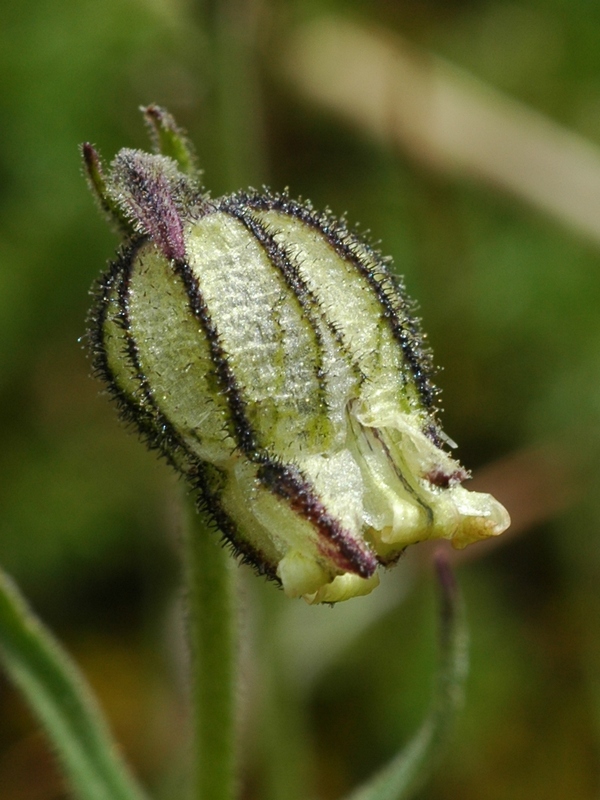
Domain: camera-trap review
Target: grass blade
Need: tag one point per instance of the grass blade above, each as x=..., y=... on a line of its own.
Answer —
x=59, y=696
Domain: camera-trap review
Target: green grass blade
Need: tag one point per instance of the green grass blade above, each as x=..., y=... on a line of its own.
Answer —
x=63, y=703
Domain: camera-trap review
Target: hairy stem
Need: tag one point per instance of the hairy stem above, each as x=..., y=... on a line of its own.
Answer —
x=212, y=636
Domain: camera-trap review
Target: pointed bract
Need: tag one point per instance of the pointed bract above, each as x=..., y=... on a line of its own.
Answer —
x=169, y=140
x=97, y=183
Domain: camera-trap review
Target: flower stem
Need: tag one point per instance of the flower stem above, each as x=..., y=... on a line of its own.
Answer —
x=212, y=636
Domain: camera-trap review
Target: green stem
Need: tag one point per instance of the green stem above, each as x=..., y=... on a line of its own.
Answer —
x=212, y=633
x=411, y=768
x=61, y=699
x=235, y=136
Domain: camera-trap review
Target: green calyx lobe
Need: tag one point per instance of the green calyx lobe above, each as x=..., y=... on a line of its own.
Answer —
x=268, y=354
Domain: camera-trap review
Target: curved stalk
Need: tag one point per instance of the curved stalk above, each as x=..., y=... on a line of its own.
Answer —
x=410, y=769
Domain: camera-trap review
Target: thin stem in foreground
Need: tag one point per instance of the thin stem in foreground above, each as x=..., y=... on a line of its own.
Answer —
x=212, y=633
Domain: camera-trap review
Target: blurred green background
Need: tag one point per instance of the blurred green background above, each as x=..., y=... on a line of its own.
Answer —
x=505, y=265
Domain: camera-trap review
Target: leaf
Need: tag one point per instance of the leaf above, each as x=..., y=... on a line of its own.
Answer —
x=59, y=696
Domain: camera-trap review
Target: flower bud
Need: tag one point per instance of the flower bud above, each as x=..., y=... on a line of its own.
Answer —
x=269, y=354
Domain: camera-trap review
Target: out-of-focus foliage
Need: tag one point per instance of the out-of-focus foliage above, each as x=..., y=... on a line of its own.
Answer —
x=509, y=297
